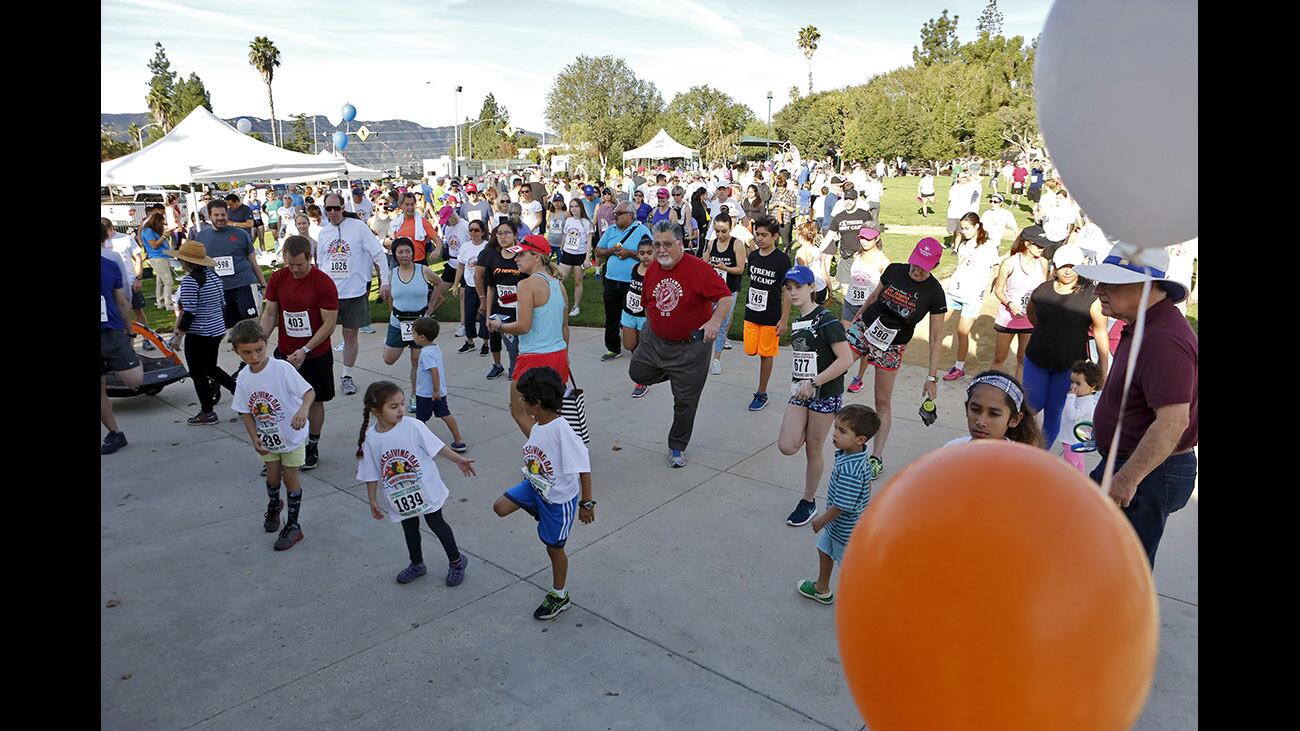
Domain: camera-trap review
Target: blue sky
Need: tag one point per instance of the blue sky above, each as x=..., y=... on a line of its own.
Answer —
x=378, y=54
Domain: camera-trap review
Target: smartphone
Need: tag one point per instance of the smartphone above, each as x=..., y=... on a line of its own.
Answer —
x=697, y=336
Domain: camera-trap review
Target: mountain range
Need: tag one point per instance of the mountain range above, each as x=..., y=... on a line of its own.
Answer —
x=393, y=142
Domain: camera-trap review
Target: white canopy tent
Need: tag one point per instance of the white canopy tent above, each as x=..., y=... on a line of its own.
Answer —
x=660, y=147
x=351, y=171
x=204, y=149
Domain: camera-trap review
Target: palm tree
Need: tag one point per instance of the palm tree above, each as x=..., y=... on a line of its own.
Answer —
x=808, y=37
x=264, y=56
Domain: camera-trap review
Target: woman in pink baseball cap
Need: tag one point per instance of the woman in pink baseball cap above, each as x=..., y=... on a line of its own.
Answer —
x=881, y=330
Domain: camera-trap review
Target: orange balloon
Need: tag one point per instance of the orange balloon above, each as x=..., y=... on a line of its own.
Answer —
x=991, y=586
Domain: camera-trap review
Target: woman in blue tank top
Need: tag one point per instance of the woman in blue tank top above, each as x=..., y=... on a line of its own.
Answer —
x=541, y=320
x=412, y=285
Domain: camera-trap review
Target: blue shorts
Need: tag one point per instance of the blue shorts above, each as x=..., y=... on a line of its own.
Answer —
x=553, y=521
x=634, y=322
x=828, y=405
x=964, y=306
x=830, y=546
x=394, y=339
x=426, y=407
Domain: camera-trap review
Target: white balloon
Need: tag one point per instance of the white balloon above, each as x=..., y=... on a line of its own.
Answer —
x=243, y=125
x=1116, y=83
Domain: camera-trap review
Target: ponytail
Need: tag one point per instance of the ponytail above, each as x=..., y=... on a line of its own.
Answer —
x=365, y=424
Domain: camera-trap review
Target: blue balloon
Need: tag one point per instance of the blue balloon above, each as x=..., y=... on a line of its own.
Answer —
x=340, y=140
x=349, y=112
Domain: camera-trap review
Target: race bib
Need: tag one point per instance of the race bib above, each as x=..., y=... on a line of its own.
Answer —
x=757, y=299
x=297, y=324
x=476, y=215
x=225, y=265
x=103, y=309
x=408, y=332
x=804, y=366
x=270, y=438
x=604, y=225
x=634, y=302
x=338, y=266
x=407, y=500
x=879, y=336
x=573, y=242
x=1024, y=301
x=540, y=484
x=721, y=274
x=855, y=295
x=508, y=294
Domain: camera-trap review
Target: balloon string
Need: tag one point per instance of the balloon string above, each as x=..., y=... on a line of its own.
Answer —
x=1138, y=330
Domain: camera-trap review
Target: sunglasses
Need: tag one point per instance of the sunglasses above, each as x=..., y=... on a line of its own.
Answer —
x=333, y=208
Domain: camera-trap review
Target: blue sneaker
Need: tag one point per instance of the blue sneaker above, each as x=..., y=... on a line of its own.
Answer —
x=411, y=573
x=496, y=371
x=456, y=571
x=803, y=512
x=367, y=329
x=676, y=458
x=410, y=406
x=760, y=400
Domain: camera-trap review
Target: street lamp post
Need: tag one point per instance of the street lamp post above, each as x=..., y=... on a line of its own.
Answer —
x=769, y=126
x=455, y=106
x=140, y=132
x=470, y=134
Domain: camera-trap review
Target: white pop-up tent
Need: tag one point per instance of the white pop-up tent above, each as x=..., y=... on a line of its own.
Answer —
x=351, y=171
x=661, y=147
x=204, y=149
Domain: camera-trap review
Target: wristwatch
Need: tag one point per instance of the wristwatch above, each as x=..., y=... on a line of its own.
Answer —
x=587, y=504
x=932, y=379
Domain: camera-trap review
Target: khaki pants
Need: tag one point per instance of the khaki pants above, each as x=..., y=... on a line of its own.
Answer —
x=162, y=291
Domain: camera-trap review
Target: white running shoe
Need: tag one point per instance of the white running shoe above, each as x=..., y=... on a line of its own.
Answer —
x=574, y=312
x=716, y=368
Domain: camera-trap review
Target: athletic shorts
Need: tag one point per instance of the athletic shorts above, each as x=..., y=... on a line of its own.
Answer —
x=830, y=546
x=952, y=225
x=426, y=407
x=394, y=338
x=137, y=300
x=318, y=372
x=448, y=273
x=1035, y=194
x=571, y=260
x=115, y=352
x=969, y=308
x=886, y=360
x=241, y=304
x=760, y=340
x=1012, y=330
x=636, y=322
x=354, y=312
x=559, y=360
x=1017, y=187
x=553, y=521
x=293, y=458
x=828, y=405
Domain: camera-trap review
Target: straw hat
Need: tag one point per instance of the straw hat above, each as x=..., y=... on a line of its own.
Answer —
x=193, y=252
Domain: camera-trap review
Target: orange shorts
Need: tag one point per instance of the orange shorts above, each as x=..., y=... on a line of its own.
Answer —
x=760, y=340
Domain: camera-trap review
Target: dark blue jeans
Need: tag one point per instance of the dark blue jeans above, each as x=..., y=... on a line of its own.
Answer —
x=1166, y=490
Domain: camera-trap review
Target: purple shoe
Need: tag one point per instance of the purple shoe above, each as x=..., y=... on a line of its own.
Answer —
x=411, y=573
x=456, y=571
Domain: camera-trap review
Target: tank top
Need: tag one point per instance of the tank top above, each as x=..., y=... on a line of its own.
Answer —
x=1020, y=285
x=728, y=258
x=656, y=216
x=1063, y=319
x=547, y=333
x=555, y=229
x=410, y=297
x=632, y=302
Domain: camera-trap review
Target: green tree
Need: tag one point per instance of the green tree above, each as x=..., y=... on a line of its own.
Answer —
x=188, y=95
x=600, y=101
x=487, y=139
x=807, y=42
x=938, y=41
x=794, y=93
x=299, y=135
x=990, y=21
x=162, y=81
x=110, y=148
x=706, y=119
x=264, y=56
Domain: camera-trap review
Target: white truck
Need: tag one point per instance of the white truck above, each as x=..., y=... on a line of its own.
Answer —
x=127, y=211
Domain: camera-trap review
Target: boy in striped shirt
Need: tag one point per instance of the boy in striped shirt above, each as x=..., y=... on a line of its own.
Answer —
x=846, y=497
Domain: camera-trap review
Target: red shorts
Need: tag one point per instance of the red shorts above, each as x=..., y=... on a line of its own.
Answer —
x=559, y=360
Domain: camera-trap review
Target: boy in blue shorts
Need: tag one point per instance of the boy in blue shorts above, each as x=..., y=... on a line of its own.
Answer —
x=846, y=497
x=430, y=386
x=633, y=319
x=556, y=469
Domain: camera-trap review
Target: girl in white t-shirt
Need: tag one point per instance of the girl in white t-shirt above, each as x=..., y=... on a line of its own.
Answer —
x=575, y=246
x=398, y=454
x=977, y=260
x=996, y=408
x=1085, y=385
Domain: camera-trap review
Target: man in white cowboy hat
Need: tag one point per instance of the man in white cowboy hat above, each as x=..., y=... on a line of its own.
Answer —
x=1155, y=465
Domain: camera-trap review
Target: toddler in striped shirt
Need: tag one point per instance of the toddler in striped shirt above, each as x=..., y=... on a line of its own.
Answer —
x=846, y=497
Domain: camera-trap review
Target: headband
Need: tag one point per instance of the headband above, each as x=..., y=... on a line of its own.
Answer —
x=1002, y=383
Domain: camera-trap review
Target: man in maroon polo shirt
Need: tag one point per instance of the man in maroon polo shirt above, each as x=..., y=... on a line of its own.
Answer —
x=303, y=302
x=1155, y=465
x=679, y=295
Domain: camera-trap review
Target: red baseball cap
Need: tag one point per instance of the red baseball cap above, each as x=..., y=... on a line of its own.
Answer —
x=471, y=188
x=533, y=243
x=926, y=254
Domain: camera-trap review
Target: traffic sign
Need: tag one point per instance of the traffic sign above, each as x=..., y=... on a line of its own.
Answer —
x=363, y=133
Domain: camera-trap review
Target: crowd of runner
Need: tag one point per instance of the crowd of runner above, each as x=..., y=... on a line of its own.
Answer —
x=672, y=252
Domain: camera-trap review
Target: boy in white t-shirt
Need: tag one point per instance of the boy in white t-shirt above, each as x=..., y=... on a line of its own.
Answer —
x=556, y=469
x=273, y=399
x=430, y=381
x=997, y=221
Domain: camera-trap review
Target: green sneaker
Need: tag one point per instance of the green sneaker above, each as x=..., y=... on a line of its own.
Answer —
x=808, y=589
x=552, y=605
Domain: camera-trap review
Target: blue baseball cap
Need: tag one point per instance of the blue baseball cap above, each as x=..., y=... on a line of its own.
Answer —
x=800, y=275
x=588, y=190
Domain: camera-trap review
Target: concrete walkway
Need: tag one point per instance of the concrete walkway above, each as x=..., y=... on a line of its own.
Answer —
x=684, y=616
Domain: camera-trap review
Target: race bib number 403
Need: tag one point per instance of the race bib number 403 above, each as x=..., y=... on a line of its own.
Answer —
x=297, y=324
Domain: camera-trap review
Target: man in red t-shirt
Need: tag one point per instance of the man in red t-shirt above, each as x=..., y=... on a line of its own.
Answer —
x=685, y=303
x=304, y=303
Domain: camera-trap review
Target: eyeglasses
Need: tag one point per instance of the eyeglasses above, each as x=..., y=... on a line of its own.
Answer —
x=669, y=245
x=333, y=208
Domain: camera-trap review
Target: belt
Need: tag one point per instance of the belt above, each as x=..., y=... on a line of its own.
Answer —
x=1123, y=456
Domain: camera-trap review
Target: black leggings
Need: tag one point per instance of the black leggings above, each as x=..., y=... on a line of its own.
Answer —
x=201, y=360
x=411, y=527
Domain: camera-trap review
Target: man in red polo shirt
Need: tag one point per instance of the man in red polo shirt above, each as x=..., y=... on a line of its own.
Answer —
x=685, y=303
x=1155, y=465
x=304, y=303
